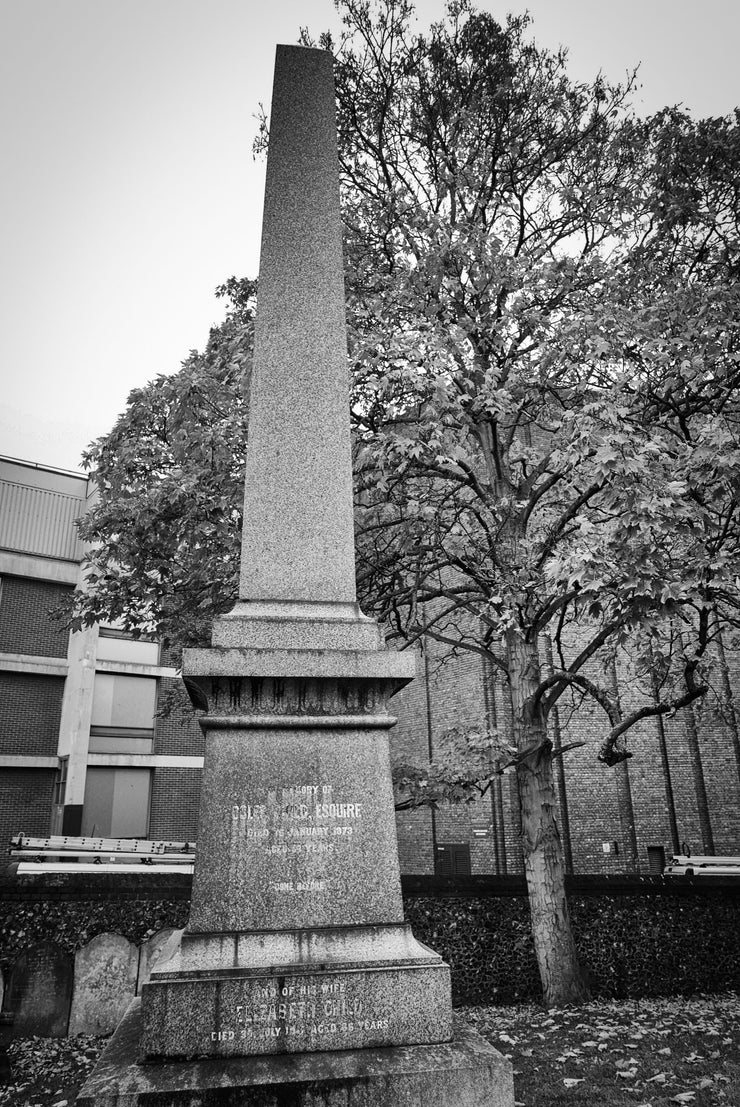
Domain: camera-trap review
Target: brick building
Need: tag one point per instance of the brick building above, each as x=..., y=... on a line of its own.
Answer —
x=680, y=792
x=84, y=747
x=98, y=738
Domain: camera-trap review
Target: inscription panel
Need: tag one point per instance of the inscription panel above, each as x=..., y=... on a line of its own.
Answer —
x=296, y=825
x=307, y=1011
x=302, y=1013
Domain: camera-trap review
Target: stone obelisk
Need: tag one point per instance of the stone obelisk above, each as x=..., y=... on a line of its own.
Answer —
x=297, y=979
x=296, y=939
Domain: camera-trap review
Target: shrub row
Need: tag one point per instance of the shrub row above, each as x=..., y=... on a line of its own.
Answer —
x=651, y=943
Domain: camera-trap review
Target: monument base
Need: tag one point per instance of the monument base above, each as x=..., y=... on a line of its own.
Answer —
x=220, y=995
x=466, y=1072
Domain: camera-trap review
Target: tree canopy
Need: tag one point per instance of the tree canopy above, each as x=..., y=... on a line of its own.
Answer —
x=544, y=313
x=163, y=535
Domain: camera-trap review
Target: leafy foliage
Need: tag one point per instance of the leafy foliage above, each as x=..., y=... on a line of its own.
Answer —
x=545, y=337
x=544, y=314
x=164, y=531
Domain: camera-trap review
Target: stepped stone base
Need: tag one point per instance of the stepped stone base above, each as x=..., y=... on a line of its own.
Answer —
x=466, y=1072
x=253, y=1013
x=225, y=995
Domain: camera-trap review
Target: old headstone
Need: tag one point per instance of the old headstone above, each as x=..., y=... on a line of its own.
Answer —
x=39, y=992
x=151, y=951
x=104, y=984
x=296, y=959
x=5, y=1069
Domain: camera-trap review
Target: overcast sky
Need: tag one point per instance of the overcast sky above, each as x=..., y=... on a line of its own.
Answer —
x=128, y=189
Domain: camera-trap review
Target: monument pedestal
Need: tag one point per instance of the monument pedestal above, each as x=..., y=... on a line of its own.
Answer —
x=220, y=1007
x=465, y=1072
x=296, y=940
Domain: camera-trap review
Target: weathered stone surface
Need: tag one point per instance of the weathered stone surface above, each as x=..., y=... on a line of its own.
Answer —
x=271, y=701
x=360, y=1006
x=104, y=984
x=465, y=1072
x=298, y=534
x=283, y=950
x=150, y=953
x=295, y=826
x=320, y=664
x=297, y=627
x=39, y=992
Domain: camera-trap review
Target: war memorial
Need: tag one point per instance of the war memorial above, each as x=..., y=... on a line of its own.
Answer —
x=296, y=981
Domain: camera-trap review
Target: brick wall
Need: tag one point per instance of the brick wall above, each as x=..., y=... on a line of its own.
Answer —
x=30, y=710
x=174, y=804
x=26, y=802
x=465, y=692
x=415, y=840
x=26, y=625
x=176, y=728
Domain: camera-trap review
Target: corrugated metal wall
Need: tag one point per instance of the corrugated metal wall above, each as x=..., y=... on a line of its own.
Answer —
x=37, y=521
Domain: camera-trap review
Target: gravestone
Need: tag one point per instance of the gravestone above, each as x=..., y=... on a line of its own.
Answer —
x=104, y=984
x=151, y=951
x=297, y=980
x=39, y=992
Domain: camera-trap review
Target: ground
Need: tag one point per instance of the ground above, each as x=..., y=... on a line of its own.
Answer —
x=641, y=1053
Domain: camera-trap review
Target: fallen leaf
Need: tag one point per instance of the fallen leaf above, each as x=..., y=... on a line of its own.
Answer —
x=571, y=1081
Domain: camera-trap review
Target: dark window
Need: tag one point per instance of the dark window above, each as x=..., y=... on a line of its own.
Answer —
x=60, y=784
x=656, y=858
x=453, y=859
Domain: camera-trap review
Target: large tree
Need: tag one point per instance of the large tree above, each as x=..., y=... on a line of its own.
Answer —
x=543, y=329
x=545, y=341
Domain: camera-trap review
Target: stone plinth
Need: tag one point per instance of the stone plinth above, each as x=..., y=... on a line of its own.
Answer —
x=296, y=940
x=465, y=1072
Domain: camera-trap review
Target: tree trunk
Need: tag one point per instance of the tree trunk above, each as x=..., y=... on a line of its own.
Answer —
x=728, y=699
x=559, y=768
x=700, y=788
x=624, y=793
x=563, y=980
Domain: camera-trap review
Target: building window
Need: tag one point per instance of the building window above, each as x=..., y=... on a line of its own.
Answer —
x=116, y=645
x=116, y=803
x=122, y=713
x=453, y=860
x=656, y=858
x=60, y=784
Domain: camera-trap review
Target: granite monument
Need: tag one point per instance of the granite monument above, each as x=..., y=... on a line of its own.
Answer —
x=296, y=980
